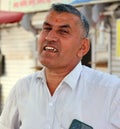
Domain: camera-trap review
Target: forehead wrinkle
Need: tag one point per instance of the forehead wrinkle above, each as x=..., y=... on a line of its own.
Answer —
x=77, y=21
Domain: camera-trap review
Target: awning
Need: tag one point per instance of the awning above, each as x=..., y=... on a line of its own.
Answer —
x=10, y=17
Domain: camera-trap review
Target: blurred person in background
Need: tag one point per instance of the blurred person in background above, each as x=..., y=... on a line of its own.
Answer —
x=64, y=91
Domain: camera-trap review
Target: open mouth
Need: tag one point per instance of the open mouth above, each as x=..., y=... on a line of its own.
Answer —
x=50, y=49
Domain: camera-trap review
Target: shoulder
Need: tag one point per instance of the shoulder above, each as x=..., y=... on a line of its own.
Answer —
x=99, y=78
x=24, y=84
x=29, y=78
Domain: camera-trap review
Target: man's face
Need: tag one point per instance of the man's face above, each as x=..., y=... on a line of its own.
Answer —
x=60, y=40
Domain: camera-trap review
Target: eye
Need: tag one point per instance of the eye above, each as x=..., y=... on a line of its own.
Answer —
x=63, y=31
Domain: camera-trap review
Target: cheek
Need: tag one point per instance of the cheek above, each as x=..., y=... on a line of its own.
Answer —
x=70, y=50
x=77, y=50
x=40, y=41
x=41, y=37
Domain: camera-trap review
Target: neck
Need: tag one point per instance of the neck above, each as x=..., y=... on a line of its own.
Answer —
x=54, y=79
x=54, y=76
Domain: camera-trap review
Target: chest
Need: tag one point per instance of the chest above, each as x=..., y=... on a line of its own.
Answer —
x=40, y=110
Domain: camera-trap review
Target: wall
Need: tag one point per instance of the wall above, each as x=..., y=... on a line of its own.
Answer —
x=115, y=61
x=18, y=46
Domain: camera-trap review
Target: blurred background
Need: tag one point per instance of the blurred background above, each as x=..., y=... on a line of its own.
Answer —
x=20, y=25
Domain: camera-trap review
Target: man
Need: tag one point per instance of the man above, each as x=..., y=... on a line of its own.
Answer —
x=64, y=90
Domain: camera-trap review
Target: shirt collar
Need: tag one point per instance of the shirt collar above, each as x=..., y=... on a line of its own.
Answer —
x=41, y=74
x=70, y=79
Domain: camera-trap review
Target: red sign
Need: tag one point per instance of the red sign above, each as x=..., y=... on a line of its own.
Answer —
x=32, y=5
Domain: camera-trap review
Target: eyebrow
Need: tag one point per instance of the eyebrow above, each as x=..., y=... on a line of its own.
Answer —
x=61, y=26
x=46, y=23
x=65, y=26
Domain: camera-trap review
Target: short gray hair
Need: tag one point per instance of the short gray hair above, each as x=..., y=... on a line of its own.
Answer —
x=71, y=9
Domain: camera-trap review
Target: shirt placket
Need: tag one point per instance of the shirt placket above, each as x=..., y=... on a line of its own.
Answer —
x=51, y=111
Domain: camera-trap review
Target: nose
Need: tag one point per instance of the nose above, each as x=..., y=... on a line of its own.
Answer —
x=51, y=36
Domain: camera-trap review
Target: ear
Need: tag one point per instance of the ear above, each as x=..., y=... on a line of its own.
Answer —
x=85, y=46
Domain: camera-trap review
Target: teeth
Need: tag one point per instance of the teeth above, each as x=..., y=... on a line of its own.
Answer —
x=51, y=49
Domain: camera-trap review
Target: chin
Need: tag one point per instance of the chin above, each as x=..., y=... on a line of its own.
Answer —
x=45, y=63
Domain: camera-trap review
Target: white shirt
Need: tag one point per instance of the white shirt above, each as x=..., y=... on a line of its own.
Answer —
x=85, y=94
